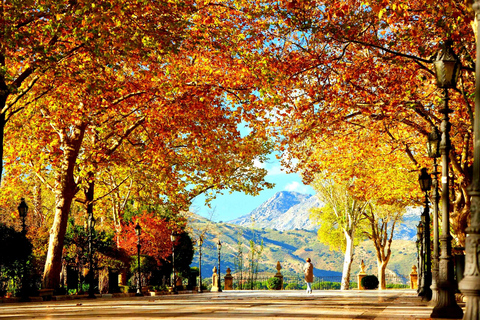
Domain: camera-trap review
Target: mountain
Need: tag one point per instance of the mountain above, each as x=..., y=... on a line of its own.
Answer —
x=282, y=224
x=286, y=210
x=290, y=248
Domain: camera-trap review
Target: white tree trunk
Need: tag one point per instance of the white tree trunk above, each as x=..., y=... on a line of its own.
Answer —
x=347, y=262
x=381, y=267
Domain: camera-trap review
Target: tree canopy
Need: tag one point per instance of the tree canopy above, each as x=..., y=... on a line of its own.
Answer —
x=144, y=100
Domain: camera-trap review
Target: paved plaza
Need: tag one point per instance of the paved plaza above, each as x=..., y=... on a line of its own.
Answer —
x=331, y=304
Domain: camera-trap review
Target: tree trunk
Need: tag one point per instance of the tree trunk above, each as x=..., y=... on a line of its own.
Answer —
x=2, y=133
x=382, y=266
x=347, y=262
x=65, y=190
x=53, y=263
x=38, y=218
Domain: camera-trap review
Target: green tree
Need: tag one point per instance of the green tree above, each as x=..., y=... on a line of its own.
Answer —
x=238, y=260
x=341, y=220
x=254, y=255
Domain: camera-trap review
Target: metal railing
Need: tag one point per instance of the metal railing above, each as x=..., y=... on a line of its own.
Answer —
x=293, y=282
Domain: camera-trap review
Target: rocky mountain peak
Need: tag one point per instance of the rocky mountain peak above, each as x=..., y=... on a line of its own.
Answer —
x=277, y=213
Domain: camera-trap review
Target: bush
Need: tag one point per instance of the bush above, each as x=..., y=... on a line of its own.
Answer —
x=370, y=282
x=274, y=283
x=293, y=286
x=397, y=286
x=326, y=285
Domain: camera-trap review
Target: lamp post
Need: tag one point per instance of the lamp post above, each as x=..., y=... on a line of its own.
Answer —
x=219, y=247
x=433, y=148
x=22, y=211
x=420, y=255
x=91, y=274
x=200, y=243
x=447, y=68
x=173, y=237
x=138, y=231
x=426, y=184
x=470, y=284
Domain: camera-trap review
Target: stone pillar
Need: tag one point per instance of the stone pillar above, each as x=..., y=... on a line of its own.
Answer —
x=122, y=277
x=228, y=280
x=414, y=278
x=214, y=280
x=361, y=275
x=279, y=274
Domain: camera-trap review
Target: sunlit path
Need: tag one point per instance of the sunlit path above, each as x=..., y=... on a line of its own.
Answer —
x=332, y=304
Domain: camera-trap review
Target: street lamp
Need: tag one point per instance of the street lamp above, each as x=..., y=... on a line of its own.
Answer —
x=22, y=211
x=138, y=231
x=447, y=68
x=173, y=237
x=433, y=148
x=470, y=284
x=425, y=292
x=200, y=243
x=91, y=274
x=219, y=247
x=420, y=255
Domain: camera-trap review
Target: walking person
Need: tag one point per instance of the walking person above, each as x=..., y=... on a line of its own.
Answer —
x=308, y=270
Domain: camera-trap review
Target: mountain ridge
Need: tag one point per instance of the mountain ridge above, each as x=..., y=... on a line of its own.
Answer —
x=290, y=210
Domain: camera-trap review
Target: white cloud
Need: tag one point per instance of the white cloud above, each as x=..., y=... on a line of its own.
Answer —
x=296, y=186
x=258, y=164
x=275, y=170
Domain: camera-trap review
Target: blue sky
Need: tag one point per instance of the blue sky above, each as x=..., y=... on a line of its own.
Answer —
x=230, y=206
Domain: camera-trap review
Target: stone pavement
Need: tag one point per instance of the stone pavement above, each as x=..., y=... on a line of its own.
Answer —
x=331, y=304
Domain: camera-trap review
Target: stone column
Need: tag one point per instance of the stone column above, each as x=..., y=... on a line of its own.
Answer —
x=214, y=280
x=228, y=280
x=470, y=284
x=414, y=278
x=279, y=274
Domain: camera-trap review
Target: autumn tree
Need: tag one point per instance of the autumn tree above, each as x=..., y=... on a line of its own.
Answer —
x=362, y=168
x=382, y=220
x=183, y=97
x=355, y=61
x=340, y=220
x=155, y=237
x=38, y=38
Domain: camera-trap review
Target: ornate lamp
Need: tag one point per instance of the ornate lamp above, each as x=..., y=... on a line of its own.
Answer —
x=433, y=150
x=447, y=69
x=200, y=243
x=91, y=273
x=425, y=181
x=173, y=237
x=433, y=143
x=138, y=231
x=219, y=247
x=22, y=211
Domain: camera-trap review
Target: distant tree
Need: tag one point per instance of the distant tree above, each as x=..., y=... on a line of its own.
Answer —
x=183, y=253
x=238, y=259
x=382, y=220
x=340, y=220
x=255, y=253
